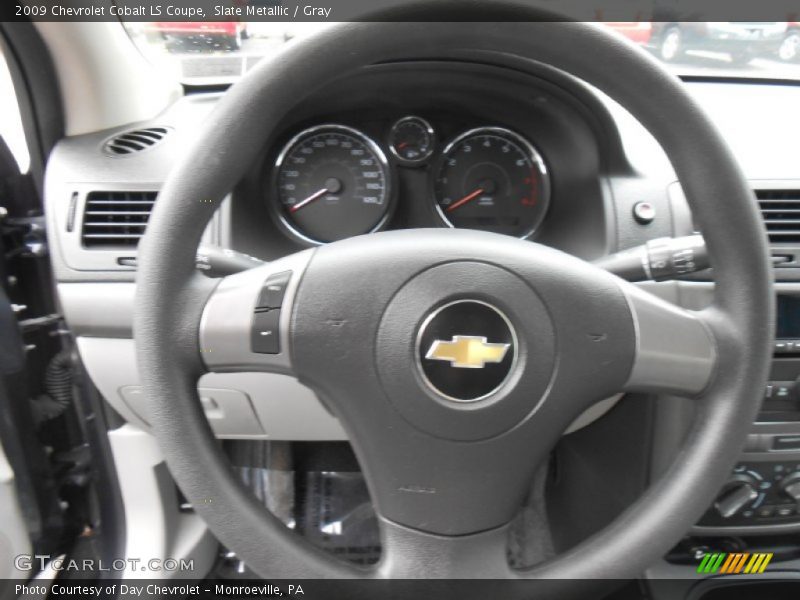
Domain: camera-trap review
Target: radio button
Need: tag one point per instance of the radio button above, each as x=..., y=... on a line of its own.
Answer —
x=779, y=390
x=765, y=512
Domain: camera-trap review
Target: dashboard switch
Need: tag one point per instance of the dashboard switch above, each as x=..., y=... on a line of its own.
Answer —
x=273, y=291
x=644, y=213
x=265, y=336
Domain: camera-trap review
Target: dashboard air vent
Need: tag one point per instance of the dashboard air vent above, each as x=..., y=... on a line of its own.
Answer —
x=781, y=212
x=135, y=140
x=116, y=219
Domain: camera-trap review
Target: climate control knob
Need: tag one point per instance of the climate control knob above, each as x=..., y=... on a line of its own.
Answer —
x=740, y=491
x=791, y=486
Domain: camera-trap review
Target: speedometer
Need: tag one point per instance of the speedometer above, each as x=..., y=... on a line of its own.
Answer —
x=492, y=179
x=333, y=182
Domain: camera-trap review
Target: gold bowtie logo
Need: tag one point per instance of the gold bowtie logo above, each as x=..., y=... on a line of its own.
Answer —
x=467, y=351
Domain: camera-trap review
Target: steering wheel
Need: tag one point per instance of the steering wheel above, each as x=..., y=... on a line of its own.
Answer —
x=454, y=359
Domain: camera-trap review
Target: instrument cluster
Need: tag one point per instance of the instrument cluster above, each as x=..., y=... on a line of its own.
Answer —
x=333, y=181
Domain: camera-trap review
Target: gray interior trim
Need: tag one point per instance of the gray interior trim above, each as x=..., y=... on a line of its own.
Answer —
x=284, y=408
x=69, y=240
x=227, y=320
x=675, y=351
x=98, y=309
x=82, y=60
x=14, y=539
x=155, y=526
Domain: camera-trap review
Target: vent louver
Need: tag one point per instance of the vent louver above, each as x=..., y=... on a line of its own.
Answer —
x=781, y=212
x=116, y=219
x=136, y=140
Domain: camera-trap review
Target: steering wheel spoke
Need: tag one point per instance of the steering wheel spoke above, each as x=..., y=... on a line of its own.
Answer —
x=413, y=554
x=246, y=321
x=676, y=349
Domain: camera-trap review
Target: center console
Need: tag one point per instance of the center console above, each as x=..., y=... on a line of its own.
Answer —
x=762, y=494
x=758, y=509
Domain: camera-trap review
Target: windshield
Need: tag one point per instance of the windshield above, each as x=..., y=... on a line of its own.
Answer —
x=205, y=53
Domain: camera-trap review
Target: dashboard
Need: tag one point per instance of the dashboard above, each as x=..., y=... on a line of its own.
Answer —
x=514, y=148
x=492, y=143
x=409, y=146
x=333, y=181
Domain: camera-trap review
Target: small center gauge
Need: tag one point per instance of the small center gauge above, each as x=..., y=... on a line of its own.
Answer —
x=412, y=140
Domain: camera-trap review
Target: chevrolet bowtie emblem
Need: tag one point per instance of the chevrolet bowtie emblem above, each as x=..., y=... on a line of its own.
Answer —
x=467, y=351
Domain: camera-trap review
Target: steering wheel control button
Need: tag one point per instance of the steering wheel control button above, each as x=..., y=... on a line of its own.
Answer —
x=274, y=290
x=265, y=336
x=466, y=350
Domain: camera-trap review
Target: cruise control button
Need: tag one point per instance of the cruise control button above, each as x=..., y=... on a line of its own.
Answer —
x=265, y=337
x=273, y=291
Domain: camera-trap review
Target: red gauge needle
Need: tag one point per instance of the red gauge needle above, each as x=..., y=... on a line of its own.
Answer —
x=465, y=199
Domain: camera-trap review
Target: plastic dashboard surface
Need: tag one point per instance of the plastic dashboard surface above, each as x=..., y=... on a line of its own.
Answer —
x=600, y=163
x=453, y=98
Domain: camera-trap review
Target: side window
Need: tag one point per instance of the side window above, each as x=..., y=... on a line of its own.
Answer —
x=10, y=119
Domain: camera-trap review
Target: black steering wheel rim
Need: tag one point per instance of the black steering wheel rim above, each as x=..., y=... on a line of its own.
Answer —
x=171, y=296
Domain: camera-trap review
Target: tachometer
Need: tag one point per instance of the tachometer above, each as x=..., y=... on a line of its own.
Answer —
x=333, y=182
x=492, y=179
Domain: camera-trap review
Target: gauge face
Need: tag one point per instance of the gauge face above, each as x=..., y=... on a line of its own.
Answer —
x=333, y=182
x=412, y=139
x=492, y=179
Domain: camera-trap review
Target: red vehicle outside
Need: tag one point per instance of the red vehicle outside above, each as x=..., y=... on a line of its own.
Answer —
x=640, y=32
x=227, y=35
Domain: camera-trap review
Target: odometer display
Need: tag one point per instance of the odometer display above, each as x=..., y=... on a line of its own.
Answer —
x=494, y=180
x=333, y=183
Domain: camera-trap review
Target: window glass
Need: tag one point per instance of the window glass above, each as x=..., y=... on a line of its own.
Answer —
x=10, y=119
x=212, y=53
